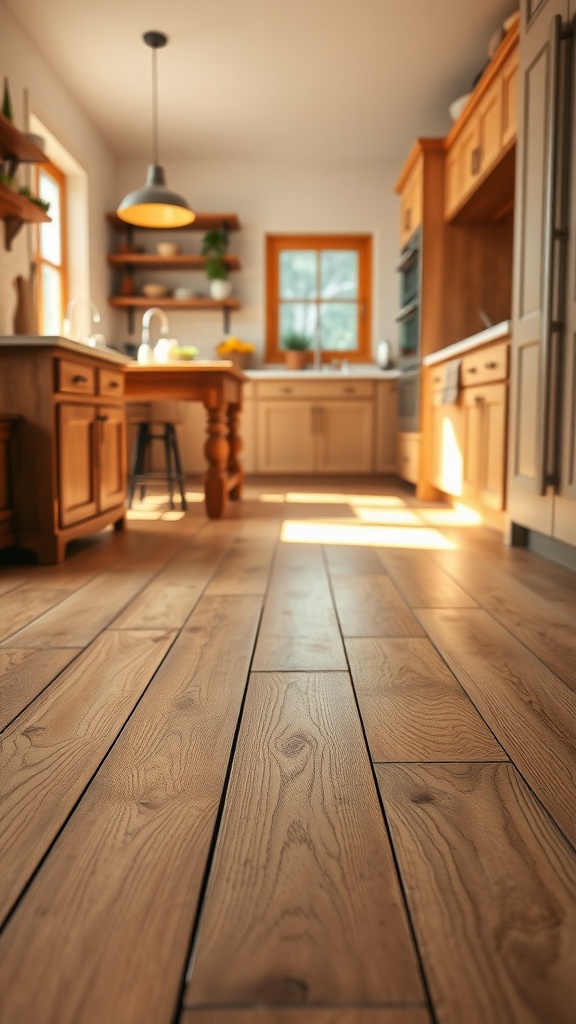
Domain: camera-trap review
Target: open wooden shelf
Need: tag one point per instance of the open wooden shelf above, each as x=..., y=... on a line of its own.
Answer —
x=141, y=302
x=152, y=261
x=15, y=209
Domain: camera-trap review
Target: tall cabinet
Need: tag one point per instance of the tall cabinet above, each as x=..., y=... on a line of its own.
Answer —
x=542, y=454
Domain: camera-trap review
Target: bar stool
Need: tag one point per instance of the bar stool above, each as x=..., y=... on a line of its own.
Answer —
x=140, y=472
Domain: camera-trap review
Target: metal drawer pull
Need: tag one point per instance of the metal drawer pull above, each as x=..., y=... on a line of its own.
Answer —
x=490, y=366
x=349, y=390
x=79, y=379
x=472, y=369
x=114, y=384
x=286, y=391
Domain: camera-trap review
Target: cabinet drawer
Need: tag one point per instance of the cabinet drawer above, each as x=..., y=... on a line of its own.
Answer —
x=110, y=383
x=318, y=389
x=486, y=365
x=75, y=378
x=437, y=377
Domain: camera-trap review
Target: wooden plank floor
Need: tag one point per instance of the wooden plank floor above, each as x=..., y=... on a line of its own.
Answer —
x=314, y=763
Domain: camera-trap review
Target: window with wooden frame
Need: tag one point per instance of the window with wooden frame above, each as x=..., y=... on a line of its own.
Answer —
x=50, y=256
x=319, y=286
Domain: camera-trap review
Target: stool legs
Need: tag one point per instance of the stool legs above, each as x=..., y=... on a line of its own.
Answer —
x=140, y=472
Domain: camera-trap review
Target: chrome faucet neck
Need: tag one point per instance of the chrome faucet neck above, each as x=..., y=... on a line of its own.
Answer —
x=146, y=319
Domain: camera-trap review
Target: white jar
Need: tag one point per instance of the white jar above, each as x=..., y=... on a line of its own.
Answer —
x=164, y=349
x=145, y=354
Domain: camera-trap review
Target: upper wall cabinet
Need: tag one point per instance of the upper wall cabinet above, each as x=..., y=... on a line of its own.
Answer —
x=480, y=148
x=16, y=209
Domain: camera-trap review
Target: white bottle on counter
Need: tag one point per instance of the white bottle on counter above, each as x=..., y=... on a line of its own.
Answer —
x=145, y=354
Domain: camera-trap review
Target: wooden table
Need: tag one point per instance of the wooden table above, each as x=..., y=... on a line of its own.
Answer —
x=218, y=385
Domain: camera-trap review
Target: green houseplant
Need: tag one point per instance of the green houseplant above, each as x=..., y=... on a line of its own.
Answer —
x=296, y=347
x=214, y=248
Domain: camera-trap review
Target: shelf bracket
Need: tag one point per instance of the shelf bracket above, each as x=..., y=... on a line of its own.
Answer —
x=12, y=226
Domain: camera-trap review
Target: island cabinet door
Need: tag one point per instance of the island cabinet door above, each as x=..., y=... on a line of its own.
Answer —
x=76, y=463
x=111, y=449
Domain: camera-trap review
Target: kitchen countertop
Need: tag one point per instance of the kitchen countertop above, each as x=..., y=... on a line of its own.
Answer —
x=358, y=372
x=467, y=344
x=78, y=347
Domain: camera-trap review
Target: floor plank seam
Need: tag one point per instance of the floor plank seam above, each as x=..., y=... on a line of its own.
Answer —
x=402, y=887
x=188, y=959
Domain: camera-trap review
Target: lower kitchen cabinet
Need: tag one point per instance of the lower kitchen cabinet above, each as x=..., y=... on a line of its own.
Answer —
x=469, y=431
x=408, y=457
x=6, y=489
x=385, y=441
x=484, y=411
x=314, y=426
x=69, y=448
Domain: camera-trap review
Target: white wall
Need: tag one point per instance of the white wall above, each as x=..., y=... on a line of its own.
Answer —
x=270, y=197
x=35, y=84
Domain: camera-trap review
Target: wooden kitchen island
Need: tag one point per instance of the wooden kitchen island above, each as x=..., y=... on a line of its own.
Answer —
x=218, y=385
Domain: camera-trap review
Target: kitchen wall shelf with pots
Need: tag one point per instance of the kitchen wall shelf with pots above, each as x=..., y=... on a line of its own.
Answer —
x=15, y=209
x=130, y=261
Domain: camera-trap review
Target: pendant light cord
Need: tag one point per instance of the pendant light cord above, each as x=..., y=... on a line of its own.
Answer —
x=155, y=148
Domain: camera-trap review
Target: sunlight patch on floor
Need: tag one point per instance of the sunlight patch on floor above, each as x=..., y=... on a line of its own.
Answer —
x=333, y=498
x=359, y=534
x=388, y=517
x=460, y=515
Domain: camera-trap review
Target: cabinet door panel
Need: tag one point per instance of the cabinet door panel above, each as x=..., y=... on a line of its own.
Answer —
x=447, y=457
x=344, y=437
x=490, y=126
x=527, y=504
x=285, y=437
x=111, y=457
x=76, y=463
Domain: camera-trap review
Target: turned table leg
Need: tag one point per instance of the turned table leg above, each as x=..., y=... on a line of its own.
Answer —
x=235, y=442
x=217, y=451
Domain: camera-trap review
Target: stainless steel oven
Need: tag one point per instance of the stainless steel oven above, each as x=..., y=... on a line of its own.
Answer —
x=409, y=399
x=408, y=316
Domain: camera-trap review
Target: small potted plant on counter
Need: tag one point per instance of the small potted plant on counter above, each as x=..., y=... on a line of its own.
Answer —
x=296, y=350
x=214, y=248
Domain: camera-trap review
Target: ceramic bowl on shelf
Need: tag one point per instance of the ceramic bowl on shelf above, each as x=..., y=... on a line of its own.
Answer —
x=167, y=249
x=154, y=291
x=458, y=105
x=183, y=293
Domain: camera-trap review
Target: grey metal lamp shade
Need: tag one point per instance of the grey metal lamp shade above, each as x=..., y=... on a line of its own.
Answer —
x=154, y=205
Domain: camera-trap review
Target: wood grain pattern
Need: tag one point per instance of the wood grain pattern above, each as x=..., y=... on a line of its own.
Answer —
x=75, y=621
x=24, y=674
x=169, y=598
x=245, y=567
x=412, y=707
x=299, y=630
x=51, y=751
x=346, y=560
x=542, y=628
x=531, y=712
x=129, y=866
x=303, y=904
x=422, y=583
x=21, y=606
x=309, y=1015
x=492, y=888
x=372, y=606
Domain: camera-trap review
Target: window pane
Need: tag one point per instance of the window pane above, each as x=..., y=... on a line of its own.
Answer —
x=339, y=326
x=338, y=274
x=298, y=269
x=51, y=301
x=298, y=318
x=50, y=247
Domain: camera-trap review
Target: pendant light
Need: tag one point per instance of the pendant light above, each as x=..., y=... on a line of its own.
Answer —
x=154, y=205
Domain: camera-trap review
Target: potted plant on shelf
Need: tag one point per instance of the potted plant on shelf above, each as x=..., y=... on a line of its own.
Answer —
x=214, y=248
x=296, y=350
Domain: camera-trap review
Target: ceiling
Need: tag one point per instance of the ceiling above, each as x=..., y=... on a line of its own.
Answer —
x=265, y=79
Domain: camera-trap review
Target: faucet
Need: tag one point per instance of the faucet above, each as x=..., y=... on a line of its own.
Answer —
x=164, y=328
x=67, y=325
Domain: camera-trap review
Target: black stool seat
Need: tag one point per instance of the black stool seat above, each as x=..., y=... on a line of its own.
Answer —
x=140, y=474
